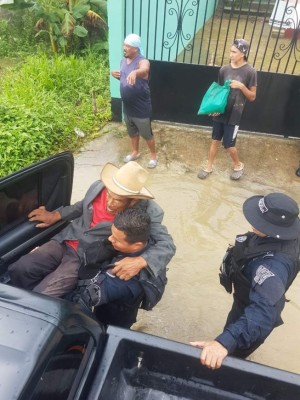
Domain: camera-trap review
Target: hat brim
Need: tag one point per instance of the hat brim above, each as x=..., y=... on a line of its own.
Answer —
x=108, y=172
x=253, y=215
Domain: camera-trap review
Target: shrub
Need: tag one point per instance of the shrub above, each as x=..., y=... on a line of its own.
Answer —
x=43, y=100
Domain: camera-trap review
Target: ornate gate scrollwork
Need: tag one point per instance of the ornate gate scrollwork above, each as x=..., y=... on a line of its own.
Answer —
x=181, y=11
x=292, y=47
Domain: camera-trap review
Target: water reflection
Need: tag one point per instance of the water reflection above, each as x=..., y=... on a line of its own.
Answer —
x=203, y=218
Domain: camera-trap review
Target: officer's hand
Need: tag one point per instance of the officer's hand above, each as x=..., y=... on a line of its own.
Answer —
x=129, y=267
x=46, y=217
x=213, y=353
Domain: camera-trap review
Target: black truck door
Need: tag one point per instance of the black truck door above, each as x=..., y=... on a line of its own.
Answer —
x=46, y=183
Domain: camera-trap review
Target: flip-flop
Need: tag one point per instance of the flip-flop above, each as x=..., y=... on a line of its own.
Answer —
x=237, y=172
x=129, y=157
x=203, y=174
x=152, y=163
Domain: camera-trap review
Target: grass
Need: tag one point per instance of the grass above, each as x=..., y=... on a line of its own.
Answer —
x=43, y=100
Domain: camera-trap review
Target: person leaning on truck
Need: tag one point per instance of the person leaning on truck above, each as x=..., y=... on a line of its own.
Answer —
x=261, y=266
x=52, y=268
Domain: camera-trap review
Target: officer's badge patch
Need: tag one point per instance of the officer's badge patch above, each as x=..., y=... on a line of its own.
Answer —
x=241, y=238
x=262, y=273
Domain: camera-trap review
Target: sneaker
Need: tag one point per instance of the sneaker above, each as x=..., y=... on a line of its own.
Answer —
x=152, y=163
x=203, y=174
x=237, y=173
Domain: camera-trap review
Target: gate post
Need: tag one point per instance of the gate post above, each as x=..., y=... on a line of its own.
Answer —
x=115, y=17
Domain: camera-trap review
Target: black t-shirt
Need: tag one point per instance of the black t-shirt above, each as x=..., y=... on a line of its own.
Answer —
x=236, y=100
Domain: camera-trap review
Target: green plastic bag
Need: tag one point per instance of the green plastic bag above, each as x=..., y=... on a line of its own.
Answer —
x=215, y=98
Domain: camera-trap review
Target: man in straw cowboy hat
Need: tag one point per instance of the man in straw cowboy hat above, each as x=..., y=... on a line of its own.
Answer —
x=52, y=268
x=261, y=266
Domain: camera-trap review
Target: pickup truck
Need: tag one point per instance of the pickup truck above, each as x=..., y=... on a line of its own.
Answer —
x=50, y=349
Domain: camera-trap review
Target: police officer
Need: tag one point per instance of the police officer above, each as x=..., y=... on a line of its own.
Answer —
x=260, y=266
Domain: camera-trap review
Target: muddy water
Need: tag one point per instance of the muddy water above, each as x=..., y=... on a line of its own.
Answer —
x=203, y=217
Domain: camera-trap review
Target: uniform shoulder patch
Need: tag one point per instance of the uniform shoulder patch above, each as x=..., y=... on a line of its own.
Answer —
x=241, y=238
x=262, y=273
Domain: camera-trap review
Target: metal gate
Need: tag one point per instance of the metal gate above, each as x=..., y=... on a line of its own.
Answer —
x=187, y=41
x=201, y=32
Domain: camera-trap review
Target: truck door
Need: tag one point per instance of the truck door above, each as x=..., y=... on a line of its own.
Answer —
x=46, y=183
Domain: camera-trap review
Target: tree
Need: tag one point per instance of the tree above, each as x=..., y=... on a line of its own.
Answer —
x=64, y=20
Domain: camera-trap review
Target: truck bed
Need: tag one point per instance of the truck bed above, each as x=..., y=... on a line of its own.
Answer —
x=50, y=349
x=139, y=366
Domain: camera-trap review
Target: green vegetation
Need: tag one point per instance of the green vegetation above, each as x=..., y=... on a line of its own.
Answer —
x=59, y=79
x=43, y=100
x=65, y=25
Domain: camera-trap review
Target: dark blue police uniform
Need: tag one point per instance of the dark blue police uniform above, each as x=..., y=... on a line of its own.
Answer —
x=259, y=292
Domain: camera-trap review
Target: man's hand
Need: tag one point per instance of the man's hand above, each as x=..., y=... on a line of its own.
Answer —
x=116, y=74
x=236, y=84
x=46, y=218
x=129, y=267
x=213, y=353
x=131, y=78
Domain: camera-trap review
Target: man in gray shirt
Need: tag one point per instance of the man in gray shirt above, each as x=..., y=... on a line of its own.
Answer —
x=243, y=84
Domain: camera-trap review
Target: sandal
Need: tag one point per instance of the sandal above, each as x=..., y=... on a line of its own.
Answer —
x=152, y=163
x=203, y=173
x=129, y=157
x=237, y=172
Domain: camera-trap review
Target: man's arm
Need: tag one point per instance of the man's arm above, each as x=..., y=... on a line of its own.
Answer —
x=250, y=93
x=266, y=302
x=46, y=218
x=142, y=72
x=67, y=213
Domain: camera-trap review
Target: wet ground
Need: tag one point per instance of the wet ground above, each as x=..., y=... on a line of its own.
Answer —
x=203, y=218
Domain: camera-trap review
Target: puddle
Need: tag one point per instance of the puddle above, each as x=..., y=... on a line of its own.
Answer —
x=203, y=217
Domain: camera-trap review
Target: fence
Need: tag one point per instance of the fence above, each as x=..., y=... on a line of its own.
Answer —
x=201, y=32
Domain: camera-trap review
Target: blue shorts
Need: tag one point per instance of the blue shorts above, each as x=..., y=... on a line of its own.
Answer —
x=226, y=133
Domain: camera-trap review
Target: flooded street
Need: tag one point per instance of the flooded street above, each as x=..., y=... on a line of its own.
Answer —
x=203, y=217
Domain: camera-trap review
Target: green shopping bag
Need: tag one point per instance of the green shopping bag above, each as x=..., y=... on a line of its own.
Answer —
x=215, y=98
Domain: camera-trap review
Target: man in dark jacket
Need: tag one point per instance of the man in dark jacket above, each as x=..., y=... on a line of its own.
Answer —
x=261, y=266
x=52, y=268
x=97, y=284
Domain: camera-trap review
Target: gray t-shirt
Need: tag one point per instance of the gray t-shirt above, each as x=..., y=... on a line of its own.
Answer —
x=236, y=100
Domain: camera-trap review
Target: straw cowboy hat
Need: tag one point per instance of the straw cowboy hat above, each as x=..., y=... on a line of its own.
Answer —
x=129, y=180
x=275, y=215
